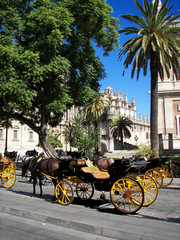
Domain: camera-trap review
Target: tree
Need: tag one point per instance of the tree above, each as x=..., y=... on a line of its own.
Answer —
x=95, y=108
x=157, y=44
x=81, y=137
x=53, y=139
x=74, y=130
x=120, y=128
x=47, y=59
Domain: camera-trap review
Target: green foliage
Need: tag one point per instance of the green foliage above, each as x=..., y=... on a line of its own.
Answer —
x=53, y=139
x=74, y=130
x=83, y=138
x=157, y=32
x=95, y=107
x=120, y=127
x=144, y=150
x=47, y=58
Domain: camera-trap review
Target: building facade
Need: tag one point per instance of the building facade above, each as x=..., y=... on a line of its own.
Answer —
x=140, y=132
x=21, y=137
x=169, y=110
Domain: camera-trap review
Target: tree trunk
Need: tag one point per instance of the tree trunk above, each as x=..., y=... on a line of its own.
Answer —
x=6, y=140
x=122, y=138
x=44, y=141
x=154, y=106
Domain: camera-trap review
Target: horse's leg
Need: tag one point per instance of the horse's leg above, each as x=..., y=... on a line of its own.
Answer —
x=55, y=183
x=40, y=186
x=34, y=186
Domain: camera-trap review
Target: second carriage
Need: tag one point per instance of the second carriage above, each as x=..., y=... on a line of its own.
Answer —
x=7, y=173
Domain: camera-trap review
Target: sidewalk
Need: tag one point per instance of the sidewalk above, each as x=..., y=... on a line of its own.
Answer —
x=175, y=182
x=97, y=218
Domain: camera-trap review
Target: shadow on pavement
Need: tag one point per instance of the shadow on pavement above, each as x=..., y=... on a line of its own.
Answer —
x=175, y=220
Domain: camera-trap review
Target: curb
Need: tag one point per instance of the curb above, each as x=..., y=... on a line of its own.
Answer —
x=98, y=230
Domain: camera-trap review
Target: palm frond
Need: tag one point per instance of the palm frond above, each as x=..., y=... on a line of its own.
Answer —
x=157, y=34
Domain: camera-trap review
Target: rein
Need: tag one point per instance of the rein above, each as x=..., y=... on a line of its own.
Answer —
x=46, y=174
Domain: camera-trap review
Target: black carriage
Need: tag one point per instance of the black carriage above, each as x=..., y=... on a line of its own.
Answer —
x=126, y=193
x=158, y=169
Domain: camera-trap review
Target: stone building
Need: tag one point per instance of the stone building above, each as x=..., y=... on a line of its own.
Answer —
x=21, y=137
x=140, y=132
x=169, y=112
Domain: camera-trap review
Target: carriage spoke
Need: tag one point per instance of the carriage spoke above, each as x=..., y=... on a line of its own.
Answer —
x=64, y=192
x=127, y=195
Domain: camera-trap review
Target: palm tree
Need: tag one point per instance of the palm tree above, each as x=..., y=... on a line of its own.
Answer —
x=120, y=127
x=157, y=44
x=74, y=130
x=80, y=137
x=95, y=109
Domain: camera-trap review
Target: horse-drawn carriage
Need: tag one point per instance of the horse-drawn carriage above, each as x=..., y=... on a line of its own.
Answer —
x=82, y=177
x=112, y=179
x=9, y=160
x=7, y=173
x=158, y=168
x=130, y=185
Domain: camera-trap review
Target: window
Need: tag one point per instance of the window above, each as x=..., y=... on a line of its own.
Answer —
x=31, y=135
x=178, y=107
x=147, y=135
x=15, y=134
x=178, y=125
x=1, y=133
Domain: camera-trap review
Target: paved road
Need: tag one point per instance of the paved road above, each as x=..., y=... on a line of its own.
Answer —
x=19, y=228
x=161, y=220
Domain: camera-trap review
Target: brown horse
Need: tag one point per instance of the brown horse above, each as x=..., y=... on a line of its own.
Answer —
x=40, y=166
x=105, y=163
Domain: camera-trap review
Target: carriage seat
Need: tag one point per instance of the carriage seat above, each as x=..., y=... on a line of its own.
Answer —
x=96, y=172
x=5, y=160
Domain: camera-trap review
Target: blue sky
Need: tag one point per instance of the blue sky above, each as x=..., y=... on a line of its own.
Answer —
x=114, y=68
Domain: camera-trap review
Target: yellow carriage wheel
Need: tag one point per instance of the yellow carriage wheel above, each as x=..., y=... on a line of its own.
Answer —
x=167, y=176
x=84, y=190
x=8, y=177
x=64, y=192
x=12, y=165
x=127, y=195
x=149, y=187
x=156, y=175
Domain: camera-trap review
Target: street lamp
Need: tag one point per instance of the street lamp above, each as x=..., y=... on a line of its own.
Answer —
x=136, y=139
